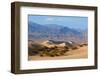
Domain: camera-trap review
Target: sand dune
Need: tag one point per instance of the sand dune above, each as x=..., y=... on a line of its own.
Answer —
x=47, y=44
x=81, y=52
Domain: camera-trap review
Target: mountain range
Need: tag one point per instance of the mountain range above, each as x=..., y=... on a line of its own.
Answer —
x=55, y=32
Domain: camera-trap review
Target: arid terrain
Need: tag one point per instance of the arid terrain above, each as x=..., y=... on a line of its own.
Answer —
x=57, y=37
x=50, y=50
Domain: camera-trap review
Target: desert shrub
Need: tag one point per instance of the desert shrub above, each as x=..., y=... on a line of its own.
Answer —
x=31, y=51
x=65, y=50
x=73, y=48
x=61, y=53
x=47, y=49
x=81, y=45
x=52, y=55
x=52, y=48
x=41, y=55
x=66, y=47
x=55, y=47
x=57, y=54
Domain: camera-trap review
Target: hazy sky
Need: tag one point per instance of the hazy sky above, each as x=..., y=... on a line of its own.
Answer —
x=69, y=21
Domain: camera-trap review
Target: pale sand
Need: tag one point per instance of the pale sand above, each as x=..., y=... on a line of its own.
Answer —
x=81, y=52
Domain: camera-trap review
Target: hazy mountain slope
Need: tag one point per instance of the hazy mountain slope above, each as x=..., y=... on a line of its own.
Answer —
x=54, y=32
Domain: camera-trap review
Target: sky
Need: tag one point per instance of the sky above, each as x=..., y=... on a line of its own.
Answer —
x=75, y=22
